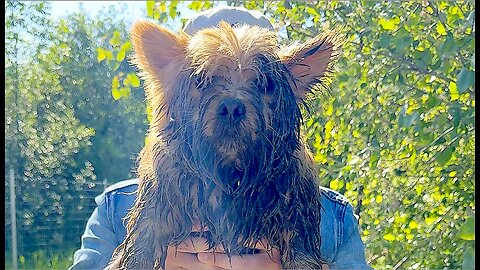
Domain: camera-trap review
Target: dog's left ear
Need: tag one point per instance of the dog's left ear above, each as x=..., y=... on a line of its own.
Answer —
x=310, y=63
x=158, y=51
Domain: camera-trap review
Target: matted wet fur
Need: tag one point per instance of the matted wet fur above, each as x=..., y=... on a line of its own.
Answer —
x=224, y=148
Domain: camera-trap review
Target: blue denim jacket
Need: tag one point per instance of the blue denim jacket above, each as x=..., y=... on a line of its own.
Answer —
x=341, y=246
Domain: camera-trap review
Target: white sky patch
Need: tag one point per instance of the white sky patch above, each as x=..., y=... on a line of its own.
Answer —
x=61, y=9
x=135, y=10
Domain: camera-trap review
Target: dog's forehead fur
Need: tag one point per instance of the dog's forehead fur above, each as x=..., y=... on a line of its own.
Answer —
x=231, y=51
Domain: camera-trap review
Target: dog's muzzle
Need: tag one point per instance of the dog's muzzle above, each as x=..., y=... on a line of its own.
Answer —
x=231, y=111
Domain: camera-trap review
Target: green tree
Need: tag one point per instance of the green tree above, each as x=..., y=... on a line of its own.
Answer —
x=42, y=135
x=63, y=129
x=119, y=126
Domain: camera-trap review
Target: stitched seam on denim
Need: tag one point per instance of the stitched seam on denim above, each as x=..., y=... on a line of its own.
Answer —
x=337, y=225
x=110, y=212
x=328, y=260
x=332, y=196
x=341, y=223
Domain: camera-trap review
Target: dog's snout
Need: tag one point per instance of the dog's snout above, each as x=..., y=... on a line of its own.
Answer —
x=231, y=110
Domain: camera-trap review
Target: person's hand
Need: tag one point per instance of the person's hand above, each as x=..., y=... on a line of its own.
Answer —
x=194, y=254
x=185, y=256
x=261, y=260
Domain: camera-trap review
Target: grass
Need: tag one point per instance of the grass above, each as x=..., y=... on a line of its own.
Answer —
x=42, y=260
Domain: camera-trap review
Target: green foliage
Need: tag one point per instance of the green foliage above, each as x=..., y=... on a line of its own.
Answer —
x=41, y=132
x=26, y=36
x=467, y=231
x=42, y=135
x=120, y=125
x=63, y=130
x=396, y=131
x=43, y=260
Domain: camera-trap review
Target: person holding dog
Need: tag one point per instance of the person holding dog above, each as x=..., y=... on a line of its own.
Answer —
x=341, y=244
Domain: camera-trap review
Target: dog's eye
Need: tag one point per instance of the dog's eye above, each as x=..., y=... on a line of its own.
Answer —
x=266, y=86
x=270, y=86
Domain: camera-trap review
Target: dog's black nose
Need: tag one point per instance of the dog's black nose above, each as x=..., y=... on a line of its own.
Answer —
x=231, y=110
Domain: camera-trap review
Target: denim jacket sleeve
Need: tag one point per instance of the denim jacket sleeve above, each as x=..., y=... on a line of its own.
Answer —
x=342, y=246
x=104, y=230
x=351, y=254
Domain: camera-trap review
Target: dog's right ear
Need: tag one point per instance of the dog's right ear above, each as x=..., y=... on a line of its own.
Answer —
x=158, y=51
x=310, y=63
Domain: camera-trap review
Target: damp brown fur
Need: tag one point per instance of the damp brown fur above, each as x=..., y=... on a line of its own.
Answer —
x=224, y=147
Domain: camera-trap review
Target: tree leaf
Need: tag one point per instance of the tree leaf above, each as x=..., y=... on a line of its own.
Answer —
x=115, y=82
x=449, y=46
x=116, y=66
x=312, y=12
x=195, y=5
x=150, y=8
x=374, y=157
x=125, y=91
x=134, y=80
x=109, y=55
x=127, y=80
x=444, y=156
x=116, y=94
x=430, y=220
x=328, y=128
x=453, y=91
x=172, y=12
x=126, y=46
x=413, y=156
x=413, y=224
x=467, y=231
x=101, y=55
x=389, y=237
x=441, y=29
x=336, y=184
x=343, y=78
x=116, y=40
x=120, y=56
x=329, y=110
x=63, y=45
x=388, y=24
x=465, y=79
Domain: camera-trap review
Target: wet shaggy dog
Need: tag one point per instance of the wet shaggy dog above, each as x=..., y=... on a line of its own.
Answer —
x=224, y=148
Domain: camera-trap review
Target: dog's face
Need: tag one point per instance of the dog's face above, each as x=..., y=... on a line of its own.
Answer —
x=229, y=94
x=239, y=91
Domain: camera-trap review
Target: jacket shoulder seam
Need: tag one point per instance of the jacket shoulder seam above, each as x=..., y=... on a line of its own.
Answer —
x=334, y=196
x=121, y=184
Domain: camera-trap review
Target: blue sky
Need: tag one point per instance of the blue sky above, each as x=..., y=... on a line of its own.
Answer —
x=62, y=8
x=135, y=9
